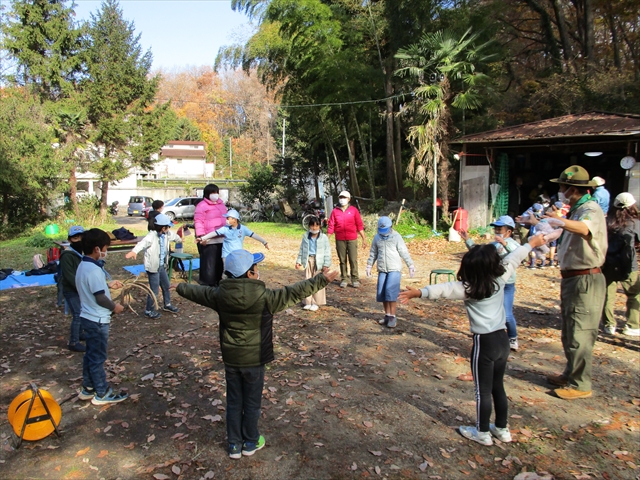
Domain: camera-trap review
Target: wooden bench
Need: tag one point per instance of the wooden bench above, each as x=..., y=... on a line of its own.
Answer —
x=116, y=245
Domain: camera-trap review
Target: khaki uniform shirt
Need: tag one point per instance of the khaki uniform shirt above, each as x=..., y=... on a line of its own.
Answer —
x=576, y=253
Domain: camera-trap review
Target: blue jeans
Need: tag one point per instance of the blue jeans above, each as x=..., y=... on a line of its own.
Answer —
x=509, y=294
x=72, y=300
x=97, y=338
x=159, y=279
x=244, y=397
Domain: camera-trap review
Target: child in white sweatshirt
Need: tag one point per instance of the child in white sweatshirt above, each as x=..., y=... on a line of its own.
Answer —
x=482, y=278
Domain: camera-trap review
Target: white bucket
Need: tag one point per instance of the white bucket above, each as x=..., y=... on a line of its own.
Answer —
x=454, y=236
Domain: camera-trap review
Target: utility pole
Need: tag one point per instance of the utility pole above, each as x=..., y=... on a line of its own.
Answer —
x=230, y=160
x=284, y=127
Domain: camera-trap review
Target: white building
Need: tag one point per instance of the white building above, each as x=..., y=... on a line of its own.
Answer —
x=178, y=160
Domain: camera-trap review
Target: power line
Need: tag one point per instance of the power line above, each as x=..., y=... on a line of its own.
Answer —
x=279, y=105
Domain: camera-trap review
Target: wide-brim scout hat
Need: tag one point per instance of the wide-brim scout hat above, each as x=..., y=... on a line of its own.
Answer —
x=576, y=176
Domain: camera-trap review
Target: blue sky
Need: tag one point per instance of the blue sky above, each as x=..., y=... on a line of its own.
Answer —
x=180, y=32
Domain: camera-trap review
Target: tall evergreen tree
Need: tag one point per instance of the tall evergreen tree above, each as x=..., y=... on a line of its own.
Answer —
x=43, y=39
x=119, y=94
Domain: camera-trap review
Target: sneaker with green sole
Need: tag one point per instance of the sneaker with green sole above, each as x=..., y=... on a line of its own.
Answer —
x=249, y=448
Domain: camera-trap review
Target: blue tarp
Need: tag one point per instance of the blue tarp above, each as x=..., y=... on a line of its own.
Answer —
x=138, y=269
x=21, y=281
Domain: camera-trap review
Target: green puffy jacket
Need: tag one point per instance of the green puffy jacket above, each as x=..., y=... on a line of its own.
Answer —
x=246, y=309
x=69, y=261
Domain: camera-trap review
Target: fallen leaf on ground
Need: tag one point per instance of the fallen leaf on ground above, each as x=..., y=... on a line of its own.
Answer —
x=82, y=452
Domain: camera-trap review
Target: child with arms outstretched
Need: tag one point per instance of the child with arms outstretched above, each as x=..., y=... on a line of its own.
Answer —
x=482, y=277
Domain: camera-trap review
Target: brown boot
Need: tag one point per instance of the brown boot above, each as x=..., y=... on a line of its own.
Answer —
x=558, y=380
x=571, y=393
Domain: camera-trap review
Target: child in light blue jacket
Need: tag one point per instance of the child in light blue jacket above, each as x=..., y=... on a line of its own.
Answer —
x=314, y=256
x=389, y=250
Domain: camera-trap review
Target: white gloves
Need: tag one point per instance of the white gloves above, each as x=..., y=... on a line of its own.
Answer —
x=368, y=270
x=412, y=271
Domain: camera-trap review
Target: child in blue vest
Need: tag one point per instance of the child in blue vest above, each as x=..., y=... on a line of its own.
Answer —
x=233, y=233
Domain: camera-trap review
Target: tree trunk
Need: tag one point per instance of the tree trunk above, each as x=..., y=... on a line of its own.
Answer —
x=363, y=146
x=353, y=179
x=589, y=35
x=398, y=150
x=103, y=200
x=392, y=178
x=564, y=36
x=547, y=31
x=73, y=189
x=5, y=208
x=615, y=42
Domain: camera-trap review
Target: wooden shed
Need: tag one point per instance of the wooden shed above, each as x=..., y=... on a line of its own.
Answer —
x=538, y=151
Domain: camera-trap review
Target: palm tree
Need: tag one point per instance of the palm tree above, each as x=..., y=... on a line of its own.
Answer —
x=438, y=61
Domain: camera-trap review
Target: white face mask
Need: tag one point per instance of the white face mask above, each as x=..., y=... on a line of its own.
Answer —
x=501, y=235
x=214, y=197
x=562, y=197
x=103, y=255
x=343, y=201
x=314, y=232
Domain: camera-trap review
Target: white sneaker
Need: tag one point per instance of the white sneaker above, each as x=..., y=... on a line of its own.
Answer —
x=472, y=433
x=632, y=332
x=610, y=330
x=502, y=434
x=343, y=284
x=513, y=344
x=313, y=308
x=307, y=307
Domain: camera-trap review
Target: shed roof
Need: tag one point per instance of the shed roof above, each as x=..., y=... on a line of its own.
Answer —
x=589, y=125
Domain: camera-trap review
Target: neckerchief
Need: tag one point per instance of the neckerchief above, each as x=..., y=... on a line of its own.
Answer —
x=585, y=198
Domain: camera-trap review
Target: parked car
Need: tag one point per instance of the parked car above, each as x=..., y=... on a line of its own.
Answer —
x=138, y=204
x=184, y=207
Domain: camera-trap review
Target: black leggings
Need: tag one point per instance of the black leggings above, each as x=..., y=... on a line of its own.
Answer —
x=488, y=362
x=211, y=265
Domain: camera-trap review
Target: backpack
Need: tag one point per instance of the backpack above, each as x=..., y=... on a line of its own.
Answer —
x=53, y=254
x=38, y=261
x=618, y=261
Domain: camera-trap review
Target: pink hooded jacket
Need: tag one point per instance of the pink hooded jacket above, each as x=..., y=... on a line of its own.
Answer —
x=208, y=217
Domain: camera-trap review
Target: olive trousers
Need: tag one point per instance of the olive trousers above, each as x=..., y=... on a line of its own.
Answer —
x=582, y=299
x=631, y=288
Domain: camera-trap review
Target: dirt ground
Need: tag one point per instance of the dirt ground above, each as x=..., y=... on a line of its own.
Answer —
x=345, y=398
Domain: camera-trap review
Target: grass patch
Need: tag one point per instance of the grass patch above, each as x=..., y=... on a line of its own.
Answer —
x=266, y=229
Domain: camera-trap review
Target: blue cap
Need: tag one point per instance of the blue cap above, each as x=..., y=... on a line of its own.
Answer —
x=537, y=208
x=239, y=262
x=504, y=221
x=75, y=230
x=559, y=205
x=233, y=213
x=163, y=220
x=384, y=225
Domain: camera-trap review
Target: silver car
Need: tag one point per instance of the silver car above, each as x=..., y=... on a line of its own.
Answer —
x=184, y=207
x=138, y=205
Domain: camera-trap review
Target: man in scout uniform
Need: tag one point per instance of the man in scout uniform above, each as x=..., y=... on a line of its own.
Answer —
x=581, y=253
